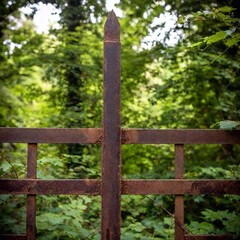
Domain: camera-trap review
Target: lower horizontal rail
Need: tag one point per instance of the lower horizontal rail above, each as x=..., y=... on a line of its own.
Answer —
x=207, y=237
x=137, y=187
x=12, y=237
x=180, y=187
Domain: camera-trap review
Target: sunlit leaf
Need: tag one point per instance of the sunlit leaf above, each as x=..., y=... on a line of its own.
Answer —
x=233, y=40
x=216, y=37
x=226, y=9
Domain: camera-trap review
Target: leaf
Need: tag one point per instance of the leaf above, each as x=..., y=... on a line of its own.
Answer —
x=233, y=40
x=137, y=227
x=5, y=166
x=216, y=37
x=226, y=9
x=229, y=124
x=196, y=44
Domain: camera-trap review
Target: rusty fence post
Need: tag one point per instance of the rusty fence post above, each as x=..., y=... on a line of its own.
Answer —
x=31, y=199
x=111, y=144
x=179, y=200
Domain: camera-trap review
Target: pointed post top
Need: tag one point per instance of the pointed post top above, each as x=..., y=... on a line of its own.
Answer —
x=112, y=28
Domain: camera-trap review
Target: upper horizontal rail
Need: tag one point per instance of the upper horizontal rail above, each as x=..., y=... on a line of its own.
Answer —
x=129, y=136
x=180, y=136
x=51, y=135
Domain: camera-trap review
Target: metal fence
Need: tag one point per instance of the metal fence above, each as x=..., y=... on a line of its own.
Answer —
x=111, y=185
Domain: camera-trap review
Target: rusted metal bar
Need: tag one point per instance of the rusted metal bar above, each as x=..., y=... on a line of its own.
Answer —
x=208, y=237
x=111, y=144
x=32, y=161
x=179, y=201
x=129, y=136
x=50, y=187
x=93, y=187
x=180, y=187
x=31, y=199
x=179, y=161
x=12, y=237
x=51, y=135
x=184, y=136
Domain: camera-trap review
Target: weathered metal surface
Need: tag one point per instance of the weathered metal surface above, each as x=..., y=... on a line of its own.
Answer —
x=12, y=237
x=51, y=187
x=180, y=187
x=31, y=199
x=32, y=161
x=51, y=135
x=208, y=237
x=129, y=136
x=179, y=161
x=111, y=144
x=179, y=201
x=93, y=187
x=184, y=136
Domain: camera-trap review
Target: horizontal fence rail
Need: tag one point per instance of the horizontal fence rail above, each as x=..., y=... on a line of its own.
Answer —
x=111, y=185
x=182, y=136
x=51, y=135
x=128, y=136
x=137, y=187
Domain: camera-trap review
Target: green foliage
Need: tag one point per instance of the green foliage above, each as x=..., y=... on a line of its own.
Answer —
x=216, y=37
x=225, y=217
x=227, y=223
x=12, y=221
x=223, y=15
x=226, y=125
x=69, y=218
x=143, y=218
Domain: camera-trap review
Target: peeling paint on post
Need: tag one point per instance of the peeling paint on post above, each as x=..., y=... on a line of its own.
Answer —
x=111, y=144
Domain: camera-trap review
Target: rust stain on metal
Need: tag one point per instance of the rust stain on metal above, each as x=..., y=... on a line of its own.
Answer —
x=216, y=187
x=125, y=137
x=124, y=187
x=100, y=136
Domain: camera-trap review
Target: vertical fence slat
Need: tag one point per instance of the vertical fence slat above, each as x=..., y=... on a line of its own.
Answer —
x=111, y=145
x=179, y=201
x=31, y=199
